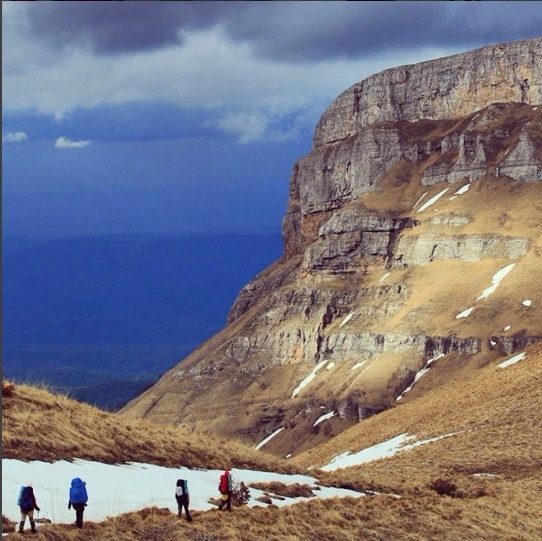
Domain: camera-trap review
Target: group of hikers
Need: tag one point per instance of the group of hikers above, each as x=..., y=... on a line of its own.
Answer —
x=27, y=503
x=78, y=498
x=183, y=497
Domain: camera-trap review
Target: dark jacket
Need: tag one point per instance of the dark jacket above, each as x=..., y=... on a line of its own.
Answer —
x=181, y=492
x=28, y=500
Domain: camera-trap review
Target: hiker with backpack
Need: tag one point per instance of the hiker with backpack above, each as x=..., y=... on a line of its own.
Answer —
x=78, y=499
x=224, y=488
x=183, y=498
x=27, y=503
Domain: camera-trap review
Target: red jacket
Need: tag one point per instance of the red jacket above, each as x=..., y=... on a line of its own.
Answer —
x=225, y=483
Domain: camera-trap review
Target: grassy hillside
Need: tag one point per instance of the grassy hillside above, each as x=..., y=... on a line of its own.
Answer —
x=482, y=482
x=38, y=424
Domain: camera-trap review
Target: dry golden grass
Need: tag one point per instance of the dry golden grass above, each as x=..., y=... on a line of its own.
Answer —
x=291, y=491
x=381, y=518
x=490, y=469
x=50, y=426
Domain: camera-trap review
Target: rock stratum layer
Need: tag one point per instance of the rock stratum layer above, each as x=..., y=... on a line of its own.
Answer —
x=412, y=254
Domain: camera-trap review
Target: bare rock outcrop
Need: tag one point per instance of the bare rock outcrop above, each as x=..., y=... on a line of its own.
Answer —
x=451, y=87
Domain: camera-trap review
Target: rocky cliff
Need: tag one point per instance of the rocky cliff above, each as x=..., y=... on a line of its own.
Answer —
x=412, y=247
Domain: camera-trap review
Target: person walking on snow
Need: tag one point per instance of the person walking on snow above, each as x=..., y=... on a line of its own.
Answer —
x=78, y=499
x=183, y=498
x=225, y=490
x=27, y=503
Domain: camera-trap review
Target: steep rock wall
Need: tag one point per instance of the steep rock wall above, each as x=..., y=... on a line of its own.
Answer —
x=450, y=87
x=400, y=225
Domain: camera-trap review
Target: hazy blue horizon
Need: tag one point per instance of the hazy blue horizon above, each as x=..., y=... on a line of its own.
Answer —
x=103, y=316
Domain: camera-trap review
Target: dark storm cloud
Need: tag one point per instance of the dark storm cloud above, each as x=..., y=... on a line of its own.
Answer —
x=322, y=30
x=118, y=27
x=288, y=30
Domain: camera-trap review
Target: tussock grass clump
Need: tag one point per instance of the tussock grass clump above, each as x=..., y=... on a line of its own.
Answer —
x=7, y=388
x=290, y=491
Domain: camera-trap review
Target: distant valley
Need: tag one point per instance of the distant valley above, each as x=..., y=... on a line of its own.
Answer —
x=102, y=317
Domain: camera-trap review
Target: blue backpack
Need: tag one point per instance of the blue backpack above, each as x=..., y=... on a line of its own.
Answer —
x=25, y=500
x=78, y=491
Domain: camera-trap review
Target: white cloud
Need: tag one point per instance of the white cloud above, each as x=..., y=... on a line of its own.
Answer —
x=14, y=137
x=246, y=126
x=209, y=71
x=64, y=142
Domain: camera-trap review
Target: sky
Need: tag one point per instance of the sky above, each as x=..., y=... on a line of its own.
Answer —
x=152, y=117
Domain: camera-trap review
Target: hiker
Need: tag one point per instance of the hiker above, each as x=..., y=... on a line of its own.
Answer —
x=183, y=498
x=225, y=491
x=27, y=503
x=78, y=499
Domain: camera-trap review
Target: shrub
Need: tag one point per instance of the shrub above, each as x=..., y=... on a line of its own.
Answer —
x=7, y=388
x=444, y=487
x=240, y=493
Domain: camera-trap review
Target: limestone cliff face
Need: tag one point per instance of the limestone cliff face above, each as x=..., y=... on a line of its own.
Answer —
x=452, y=87
x=412, y=246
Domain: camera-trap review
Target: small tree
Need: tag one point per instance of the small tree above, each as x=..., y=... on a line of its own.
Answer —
x=240, y=493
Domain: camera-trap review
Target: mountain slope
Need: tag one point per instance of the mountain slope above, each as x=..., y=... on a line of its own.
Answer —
x=38, y=424
x=412, y=239
x=482, y=482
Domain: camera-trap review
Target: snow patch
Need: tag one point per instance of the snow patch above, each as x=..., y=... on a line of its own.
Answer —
x=359, y=365
x=324, y=417
x=346, y=319
x=419, y=200
x=463, y=189
x=384, y=277
x=434, y=199
x=419, y=374
x=308, y=379
x=381, y=450
x=496, y=280
x=115, y=489
x=263, y=442
x=465, y=313
x=512, y=360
